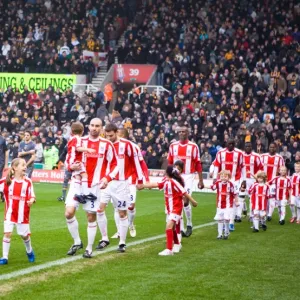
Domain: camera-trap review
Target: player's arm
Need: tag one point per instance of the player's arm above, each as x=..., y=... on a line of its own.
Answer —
x=170, y=156
x=133, y=154
x=31, y=160
x=147, y=185
x=217, y=165
x=191, y=200
x=30, y=195
x=6, y=157
x=84, y=149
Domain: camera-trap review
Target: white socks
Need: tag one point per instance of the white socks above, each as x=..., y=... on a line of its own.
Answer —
x=188, y=214
x=5, y=247
x=123, y=228
x=256, y=223
x=226, y=227
x=298, y=213
x=240, y=208
x=293, y=211
x=91, y=232
x=117, y=219
x=220, y=227
x=282, y=212
x=271, y=207
x=131, y=216
x=102, y=224
x=73, y=229
x=181, y=223
x=27, y=244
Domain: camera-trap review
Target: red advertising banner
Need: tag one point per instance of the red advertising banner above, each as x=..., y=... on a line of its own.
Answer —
x=133, y=73
x=54, y=176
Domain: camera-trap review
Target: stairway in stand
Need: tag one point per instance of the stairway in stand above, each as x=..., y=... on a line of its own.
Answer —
x=97, y=81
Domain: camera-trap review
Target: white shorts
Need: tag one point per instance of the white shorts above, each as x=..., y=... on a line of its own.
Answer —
x=132, y=190
x=90, y=206
x=174, y=217
x=22, y=229
x=224, y=214
x=260, y=213
x=280, y=203
x=118, y=192
x=295, y=200
x=79, y=172
x=188, y=182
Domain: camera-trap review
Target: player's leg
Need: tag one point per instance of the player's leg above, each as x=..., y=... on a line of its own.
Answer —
x=121, y=198
x=234, y=208
x=283, y=211
x=117, y=222
x=132, y=210
x=263, y=220
x=77, y=185
x=8, y=229
x=240, y=208
x=91, y=207
x=189, y=180
x=72, y=223
x=256, y=221
x=67, y=177
x=169, y=237
x=293, y=209
x=272, y=205
x=23, y=231
x=177, y=243
x=227, y=214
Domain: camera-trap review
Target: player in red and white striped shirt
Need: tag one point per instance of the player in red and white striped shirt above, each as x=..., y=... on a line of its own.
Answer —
x=226, y=197
x=188, y=152
x=251, y=165
x=101, y=168
x=172, y=184
x=230, y=159
x=118, y=189
x=295, y=197
x=259, y=192
x=271, y=163
x=282, y=192
x=19, y=196
x=75, y=155
x=123, y=133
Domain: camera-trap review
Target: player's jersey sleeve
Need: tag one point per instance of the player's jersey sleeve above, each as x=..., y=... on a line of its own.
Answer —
x=251, y=189
x=136, y=161
x=2, y=183
x=161, y=183
x=111, y=158
x=171, y=156
x=273, y=181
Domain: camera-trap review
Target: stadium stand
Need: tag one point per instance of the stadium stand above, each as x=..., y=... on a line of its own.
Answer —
x=232, y=69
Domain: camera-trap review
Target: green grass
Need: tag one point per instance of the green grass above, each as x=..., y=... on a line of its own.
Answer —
x=247, y=266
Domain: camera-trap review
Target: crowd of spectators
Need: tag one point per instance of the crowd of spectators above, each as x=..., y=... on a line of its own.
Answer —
x=49, y=36
x=232, y=70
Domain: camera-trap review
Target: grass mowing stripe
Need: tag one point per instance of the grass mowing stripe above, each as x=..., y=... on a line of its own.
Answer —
x=75, y=258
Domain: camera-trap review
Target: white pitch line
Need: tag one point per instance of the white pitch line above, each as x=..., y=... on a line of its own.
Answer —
x=66, y=260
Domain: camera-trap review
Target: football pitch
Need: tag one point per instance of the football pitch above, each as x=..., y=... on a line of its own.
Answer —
x=249, y=265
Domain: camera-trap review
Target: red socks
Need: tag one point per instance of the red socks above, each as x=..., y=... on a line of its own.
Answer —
x=169, y=234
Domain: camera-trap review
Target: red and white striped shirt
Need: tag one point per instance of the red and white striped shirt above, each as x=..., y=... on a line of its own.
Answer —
x=271, y=164
x=73, y=155
x=225, y=193
x=133, y=178
x=188, y=153
x=295, y=181
x=16, y=196
x=174, y=192
x=231, y=161
x=252, y=164
x=282, y=187
x=259, y=196
x=128, y=161
x=102, y=163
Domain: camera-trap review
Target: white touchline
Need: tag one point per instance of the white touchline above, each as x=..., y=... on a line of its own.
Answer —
x=66, y=260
